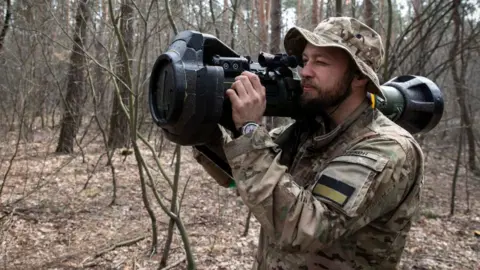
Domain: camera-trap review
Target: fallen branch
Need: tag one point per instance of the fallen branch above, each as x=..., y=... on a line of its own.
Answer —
x=174, y=264
x=19, y=214
x=102, y=252
x=120, y=244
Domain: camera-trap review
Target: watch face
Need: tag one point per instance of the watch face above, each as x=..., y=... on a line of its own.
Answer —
x=249, y=128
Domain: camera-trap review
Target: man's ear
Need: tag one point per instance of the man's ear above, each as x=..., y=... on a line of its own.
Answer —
x=359, y=80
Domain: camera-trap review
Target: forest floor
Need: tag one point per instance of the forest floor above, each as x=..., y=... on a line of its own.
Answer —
x=49, y=221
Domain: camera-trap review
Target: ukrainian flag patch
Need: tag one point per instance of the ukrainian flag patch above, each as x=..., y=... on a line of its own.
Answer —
x=333, y=190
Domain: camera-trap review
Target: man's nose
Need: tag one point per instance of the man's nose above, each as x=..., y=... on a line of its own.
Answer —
x=306, y=71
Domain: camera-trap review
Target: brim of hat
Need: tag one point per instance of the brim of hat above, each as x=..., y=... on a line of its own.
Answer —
x=296, y=39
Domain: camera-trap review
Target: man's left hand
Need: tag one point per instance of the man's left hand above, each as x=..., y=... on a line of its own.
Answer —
x=248, y=99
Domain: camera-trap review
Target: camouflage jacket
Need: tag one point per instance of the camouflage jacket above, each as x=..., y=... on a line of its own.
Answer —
x=338, y=200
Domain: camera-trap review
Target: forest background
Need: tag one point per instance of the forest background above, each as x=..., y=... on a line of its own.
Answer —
x=87, y=180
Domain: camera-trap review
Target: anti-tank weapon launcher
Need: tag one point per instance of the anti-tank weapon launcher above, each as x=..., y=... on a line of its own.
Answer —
x=188, y=83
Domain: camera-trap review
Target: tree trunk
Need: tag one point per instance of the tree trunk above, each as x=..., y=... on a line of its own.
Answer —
x=455, y=174
x=276, y=25
x=262, y=25
x=354, y=9
x=76, y=94
x=233, y=23
x=225, y=18
x=314, y=13
x=100, y=53
x=119, y=126
x=67, y=14
x=249, y=23
x=299, y=12
x=328, y=12
x=368, y=14
x=338, y=8
x=381, y=19
x=275, y=37
x=252, y=12
x=388, y=38
x=459, y=82
x=6, y=23
x=320, y=17
x=212, y=13
x=225, y=12
x=268, y=13
x=417, y=9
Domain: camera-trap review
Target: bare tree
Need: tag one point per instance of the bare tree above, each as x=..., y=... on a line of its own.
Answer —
x=381, y=18
x=455, y=174
x=226, y=7
x=6, y=22
x=252, y=12
x=320, y=12
x=276, y=25
x=212, y=14
x=354, y=8
x=459, y=65
x=408, y=44
x=119, y=130
x=67, y=15
x=388, y=38
x=268, y=7
x=314, y=13
x=76, y=94
x=299, y=11
x=236, y=4
x=338, y=8
x=368, y=13
x=262, y=25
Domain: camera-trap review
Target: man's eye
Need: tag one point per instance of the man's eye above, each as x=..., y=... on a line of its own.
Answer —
x=320, y=62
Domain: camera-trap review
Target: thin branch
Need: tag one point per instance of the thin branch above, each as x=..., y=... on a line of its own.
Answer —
x=170, y=18
x=6, y=23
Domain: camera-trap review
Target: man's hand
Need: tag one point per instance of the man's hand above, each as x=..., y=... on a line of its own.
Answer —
x=247, y=95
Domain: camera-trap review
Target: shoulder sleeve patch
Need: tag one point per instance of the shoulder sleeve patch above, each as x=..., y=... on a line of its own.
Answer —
x=349, y=181
x=333, y=190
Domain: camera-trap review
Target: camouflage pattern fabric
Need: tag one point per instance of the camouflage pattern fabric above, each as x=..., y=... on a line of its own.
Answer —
x=339, y=199
x=361, y=42
x=345, y=200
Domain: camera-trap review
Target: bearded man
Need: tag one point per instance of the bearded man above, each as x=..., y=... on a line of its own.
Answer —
x=339, y=188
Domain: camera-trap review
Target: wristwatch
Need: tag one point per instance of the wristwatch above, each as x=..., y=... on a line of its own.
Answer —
x=248, y=127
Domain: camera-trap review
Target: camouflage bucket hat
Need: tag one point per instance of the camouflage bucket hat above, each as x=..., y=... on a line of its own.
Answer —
x=362, y=43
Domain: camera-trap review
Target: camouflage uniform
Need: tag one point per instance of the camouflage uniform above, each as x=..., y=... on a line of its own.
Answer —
x=328, y=199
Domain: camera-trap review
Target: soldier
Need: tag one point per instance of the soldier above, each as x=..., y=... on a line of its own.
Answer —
x=339, y=188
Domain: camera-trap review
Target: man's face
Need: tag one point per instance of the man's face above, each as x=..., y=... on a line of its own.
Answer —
x=325, y=77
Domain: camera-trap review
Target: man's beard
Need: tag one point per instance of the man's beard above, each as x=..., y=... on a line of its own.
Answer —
x=328, y=98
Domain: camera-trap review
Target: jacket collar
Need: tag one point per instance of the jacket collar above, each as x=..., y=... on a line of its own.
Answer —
x=321, y=139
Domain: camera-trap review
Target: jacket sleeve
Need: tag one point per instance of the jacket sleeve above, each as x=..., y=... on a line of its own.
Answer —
x=212, y=157
x=352, y=190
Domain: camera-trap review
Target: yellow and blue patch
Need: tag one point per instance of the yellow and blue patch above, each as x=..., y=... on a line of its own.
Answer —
x=333, y=190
